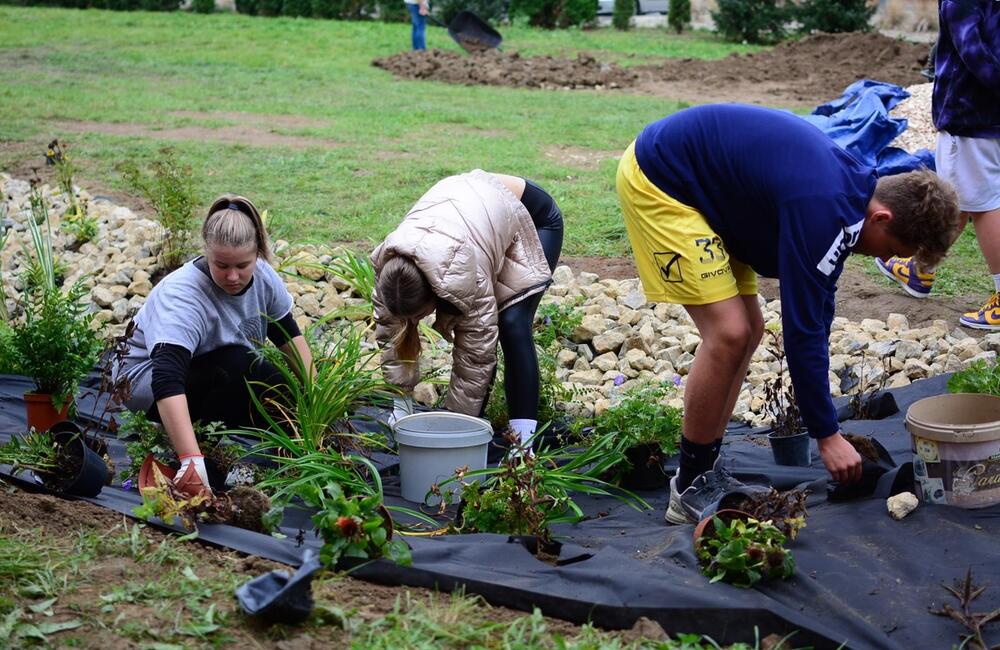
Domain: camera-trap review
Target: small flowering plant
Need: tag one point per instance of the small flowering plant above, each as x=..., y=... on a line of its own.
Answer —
x=354, y=527
x=743, y=552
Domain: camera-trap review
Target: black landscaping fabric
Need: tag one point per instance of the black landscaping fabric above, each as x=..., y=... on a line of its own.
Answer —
x=863, y=580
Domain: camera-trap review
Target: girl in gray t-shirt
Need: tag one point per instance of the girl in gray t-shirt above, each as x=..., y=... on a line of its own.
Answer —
x=194, y=345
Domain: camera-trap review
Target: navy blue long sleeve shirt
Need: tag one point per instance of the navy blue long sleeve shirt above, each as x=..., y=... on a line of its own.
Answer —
x=966, y=98
x=787, y=201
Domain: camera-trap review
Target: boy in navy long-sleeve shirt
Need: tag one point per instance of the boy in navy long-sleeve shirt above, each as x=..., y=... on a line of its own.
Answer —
x=713, y=196
x=966, y=111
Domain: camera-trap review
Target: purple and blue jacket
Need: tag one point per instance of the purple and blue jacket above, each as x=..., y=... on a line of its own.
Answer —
x=967, y=69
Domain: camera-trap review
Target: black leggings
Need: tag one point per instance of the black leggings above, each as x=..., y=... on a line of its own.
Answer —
x=217, y=390
x=520, y=383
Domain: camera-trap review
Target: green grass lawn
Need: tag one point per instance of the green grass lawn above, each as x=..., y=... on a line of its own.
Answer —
x=383, y=141
x=121, y=86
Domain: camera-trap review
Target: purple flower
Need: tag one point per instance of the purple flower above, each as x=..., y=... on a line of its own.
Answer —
x=677, y=380
x=127, y=484
x=548, y=320
x=619, y=380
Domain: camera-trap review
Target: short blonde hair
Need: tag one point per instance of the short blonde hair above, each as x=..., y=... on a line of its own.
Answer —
x=233, y=220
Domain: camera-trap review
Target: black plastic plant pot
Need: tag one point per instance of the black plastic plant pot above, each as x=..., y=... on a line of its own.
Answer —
x=791, y=451
x=83, y=472
x=217, y=474
x=647, y=471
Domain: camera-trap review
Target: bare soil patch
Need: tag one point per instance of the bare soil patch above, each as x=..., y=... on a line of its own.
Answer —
x=799, y=73
x=50, y=520
x=245, y=134
x=580, y=157
x=256, y=119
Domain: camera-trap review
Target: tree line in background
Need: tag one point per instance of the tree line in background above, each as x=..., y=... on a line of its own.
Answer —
x=749, y=21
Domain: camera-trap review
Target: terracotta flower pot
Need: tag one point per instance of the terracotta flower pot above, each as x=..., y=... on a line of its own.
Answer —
x=726, y=515
x=41, y=413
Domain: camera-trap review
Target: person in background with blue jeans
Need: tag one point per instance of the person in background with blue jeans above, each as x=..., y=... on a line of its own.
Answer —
x=418, y=19
x=966, y=111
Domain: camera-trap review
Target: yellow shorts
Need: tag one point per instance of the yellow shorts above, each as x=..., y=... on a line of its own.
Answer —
x=679, y=257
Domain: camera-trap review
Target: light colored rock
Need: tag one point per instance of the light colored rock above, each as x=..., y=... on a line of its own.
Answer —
x=565, y=358
x=901, y=504
x=609, y=341
x=562, y=275
x=633, y=299
x=605, y=362
x=587, y=377
x=897, y=322
x=872, y=325
x=589, y=327
x=425, y=393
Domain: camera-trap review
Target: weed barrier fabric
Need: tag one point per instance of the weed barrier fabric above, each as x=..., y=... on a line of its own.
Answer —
x=862, y=579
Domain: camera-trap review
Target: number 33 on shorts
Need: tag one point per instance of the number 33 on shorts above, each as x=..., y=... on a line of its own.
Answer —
x=710, y=249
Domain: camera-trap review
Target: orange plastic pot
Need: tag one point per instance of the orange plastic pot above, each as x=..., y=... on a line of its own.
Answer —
x=41, y=413
x=726, y=515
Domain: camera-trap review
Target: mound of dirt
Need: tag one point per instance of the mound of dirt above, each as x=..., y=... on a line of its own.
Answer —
x=814, y=69
x=495, y=68
x=799, y=73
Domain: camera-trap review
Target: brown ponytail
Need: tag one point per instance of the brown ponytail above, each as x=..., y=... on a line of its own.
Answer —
x=406, y=293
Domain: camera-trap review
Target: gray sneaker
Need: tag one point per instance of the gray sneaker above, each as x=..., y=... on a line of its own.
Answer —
x=702, y=497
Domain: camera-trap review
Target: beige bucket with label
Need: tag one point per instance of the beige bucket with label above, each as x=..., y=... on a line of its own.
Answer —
x=956, y=449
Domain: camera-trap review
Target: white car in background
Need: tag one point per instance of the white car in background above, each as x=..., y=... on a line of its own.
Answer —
x=607, y=7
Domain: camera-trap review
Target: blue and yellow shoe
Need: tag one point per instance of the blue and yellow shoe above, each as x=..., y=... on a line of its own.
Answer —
x=904, y=271
x=988, y=316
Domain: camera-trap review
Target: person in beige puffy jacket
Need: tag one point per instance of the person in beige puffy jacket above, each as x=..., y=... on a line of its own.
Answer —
x=477, y=250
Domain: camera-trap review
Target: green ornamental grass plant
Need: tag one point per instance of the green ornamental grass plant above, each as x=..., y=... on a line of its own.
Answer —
x=53, y=341
x=528, y=493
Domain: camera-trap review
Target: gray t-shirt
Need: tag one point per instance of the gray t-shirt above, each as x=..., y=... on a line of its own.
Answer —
x=188, y=309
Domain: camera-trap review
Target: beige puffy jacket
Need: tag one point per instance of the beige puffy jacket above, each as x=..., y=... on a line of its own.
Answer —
x=476, y=245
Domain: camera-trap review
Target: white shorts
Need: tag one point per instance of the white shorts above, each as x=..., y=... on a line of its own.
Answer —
x=972, y=165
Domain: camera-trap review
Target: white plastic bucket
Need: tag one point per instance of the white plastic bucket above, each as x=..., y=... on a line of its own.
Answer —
x=433, y=445
x=956, y=449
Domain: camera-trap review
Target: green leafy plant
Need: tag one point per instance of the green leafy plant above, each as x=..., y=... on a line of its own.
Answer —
x=55, y=344
x=752, y=21
x=354, y=527
x=168, y=185
x=203, y=6
x=980, y=377
x=641, y=417
x=743, y=552
x=529, y=492
x=555, y=323
x=779, y=394
x=621, y=14
x=679, y=14
x=834, y=16
x=150, y=438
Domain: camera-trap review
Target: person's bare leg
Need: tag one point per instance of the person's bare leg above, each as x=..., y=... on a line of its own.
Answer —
x=987, y=225
x=756, y=319
x=730, y=331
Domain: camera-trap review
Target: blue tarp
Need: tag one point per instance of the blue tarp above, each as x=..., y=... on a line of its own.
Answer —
x=859, y=122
